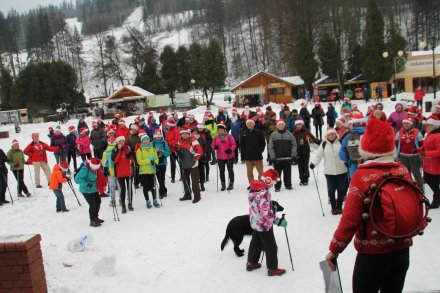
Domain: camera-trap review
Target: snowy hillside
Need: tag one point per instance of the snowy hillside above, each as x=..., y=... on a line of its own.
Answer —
x=176, y=248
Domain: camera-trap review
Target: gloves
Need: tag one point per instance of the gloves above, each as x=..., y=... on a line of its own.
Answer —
x=318, y=141
x=312, y=166
x=216, y=147
x=281, y=222
x=17, y=165
x=294, y=161
x=271, y=160
x=228, y=152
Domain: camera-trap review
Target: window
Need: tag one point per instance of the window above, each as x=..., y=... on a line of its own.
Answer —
x=276, y=91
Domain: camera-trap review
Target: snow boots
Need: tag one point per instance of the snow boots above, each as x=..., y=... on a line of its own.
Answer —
x=130, y=207
x=202, y=187
x=223, y=187
x=276, y=272
x=231, y=186
x=124, y=208
x=94, y=224
x=252, y=266
x=149, y=204
x=156, y=203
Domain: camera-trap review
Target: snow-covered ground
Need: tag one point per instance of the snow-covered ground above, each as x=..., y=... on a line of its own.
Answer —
x=176, y=248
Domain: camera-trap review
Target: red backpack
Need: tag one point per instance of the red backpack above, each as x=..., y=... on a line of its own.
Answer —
x=397, y=208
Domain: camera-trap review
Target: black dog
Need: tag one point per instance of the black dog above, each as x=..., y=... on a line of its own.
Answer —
x=240, y=226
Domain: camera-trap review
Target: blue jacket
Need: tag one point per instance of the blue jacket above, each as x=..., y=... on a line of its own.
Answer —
x=343, y=152
x=235, y=129
x=164, y=150
x=147, y=130
x=87, y=180
x=154, y=126
x=290, y=123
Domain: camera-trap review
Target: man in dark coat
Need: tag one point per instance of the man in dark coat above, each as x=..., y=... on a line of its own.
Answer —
x=305, y=115
x=303, y=139
x=98, y=139
x=252, y=143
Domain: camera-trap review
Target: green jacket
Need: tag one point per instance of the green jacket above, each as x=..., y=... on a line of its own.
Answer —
x=143, y=158
x=211, y=126
x=107, y=159
x=14, y=157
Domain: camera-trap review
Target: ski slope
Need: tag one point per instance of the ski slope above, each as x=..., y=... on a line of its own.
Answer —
x=176, y=248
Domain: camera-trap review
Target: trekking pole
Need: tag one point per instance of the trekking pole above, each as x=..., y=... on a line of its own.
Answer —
x=18, y=183
x=113, y=202
x=155, y=188
x=73, y=190
x=10, y=195
x=319, y=196
x=217, y=169
x=229, y=176
x=32, y=180
x=288, y=244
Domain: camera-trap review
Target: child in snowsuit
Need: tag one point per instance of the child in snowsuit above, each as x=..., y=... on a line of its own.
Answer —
x=56, y=183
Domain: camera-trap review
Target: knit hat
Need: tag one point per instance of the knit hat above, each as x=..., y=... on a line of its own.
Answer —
x=413, y=110
x=144, y=136
x=121, y=122
x=221, y=125
x=83, y=130
x=120, y=138
x=433, y=120
x=171, y=122
x=299, y=121
x=71, y=128
x=408, y=119
x=269, y=176
x=14, y=141
x=378, y=140
x=153, y=120
x=330, y=131
x=111, y=139
x=250, y=121
x=94, y=163
x=281, y=121
x=64, y=166
x=157, y=133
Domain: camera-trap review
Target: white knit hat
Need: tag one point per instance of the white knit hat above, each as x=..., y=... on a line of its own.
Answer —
x=120, y=138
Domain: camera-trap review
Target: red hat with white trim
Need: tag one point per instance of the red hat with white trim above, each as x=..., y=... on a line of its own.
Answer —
x=157, y=133
x=340, y=120
x=121, y=122
x=134, y=127
x=50, y=128
x=185, y=129
x=413, y=110
x=269, y=176
x=221, y=125
x=234, y=110
x=378, y=140
x=120, y=138
x=94, y=123
x=346, y=98
x=71, y=128
x=83, y=130
x=14, y=141
x=299, y=121
x=357, y=118
x=171, y=122
x=281, y=121
x=144, y=136
x=64, y=166
x=408, y=119
x=111, y=139
x=250, y=121
x=117, y=115
x=94, y=163
x=433, y=120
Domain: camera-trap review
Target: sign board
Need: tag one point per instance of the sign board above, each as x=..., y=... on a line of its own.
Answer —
x=163, y=100
x=182, y=100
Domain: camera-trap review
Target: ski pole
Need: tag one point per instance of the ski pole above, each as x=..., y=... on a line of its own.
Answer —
x=18, y=183
x=262, y=257
x=217, y=168
x=73, y=190
x=113, y=201
x=10, y=195
x=319, y=196
x=155, y=187
x=32, y=180
x=288, y=244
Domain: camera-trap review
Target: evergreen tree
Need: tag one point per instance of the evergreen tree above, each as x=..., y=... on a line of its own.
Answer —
x=329, y=56
x=6, y=85
x=2, y=37
x=395, y=43
x=183, y=69
x=214, y=69
x=149, y=79
x=195, y=64
x=169, y=73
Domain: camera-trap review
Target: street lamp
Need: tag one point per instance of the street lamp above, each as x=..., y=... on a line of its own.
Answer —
x=397, y=59
x=193, y=82
x=424, y=45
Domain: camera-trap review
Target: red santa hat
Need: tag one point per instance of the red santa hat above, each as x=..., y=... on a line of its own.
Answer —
x=160, y=111
x=207, y=113
x=83, y=130
x=111, y=139
x=356, y=118
x=347, y=98
x=144, y=136
x=413, y=110
x=345, y=111
x=111, y=130
x=408, y=119
x=117, y=115
x=433, y=120
x=157, y=133
x=247, y=107
x=378, y=140
x=185, y=129
x=71, y=128
x=171, y=122
x=121, y=122
x=330, y=131
x=269, y=176
x=50, y=128
x=234, y=110
x=150, y=113
x=250, y=121
x=299, y=121
x=120, y=138
x=64, y=166
x=341, y=120
x=94, y=123
x=14, y=141
x=281, y=121
x=221, y=125
x=94, y=163
x=330, y=104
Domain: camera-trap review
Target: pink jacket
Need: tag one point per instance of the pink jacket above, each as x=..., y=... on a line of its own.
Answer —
x=83, y=144
x=223, y=146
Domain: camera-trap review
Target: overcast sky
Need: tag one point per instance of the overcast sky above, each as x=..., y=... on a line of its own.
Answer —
x=25, y=5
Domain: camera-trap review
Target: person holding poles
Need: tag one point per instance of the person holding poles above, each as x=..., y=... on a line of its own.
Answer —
x=123, y=165
x=71, y=146
x=3, y=177
x=224, y=145
x=203, y=161
x=262, y=219
x=146, y=157
x=109, y=168
x=57, y=179
x=163, y=152
x=16, y=162
x=172, y=139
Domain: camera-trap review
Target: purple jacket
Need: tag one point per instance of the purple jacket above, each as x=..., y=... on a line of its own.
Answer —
x=59, y=140
x=227, y=142
x=396, y=119
x=261, y=214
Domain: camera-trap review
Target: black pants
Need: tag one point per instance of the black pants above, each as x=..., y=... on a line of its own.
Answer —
x=331, y=123
x=71, y=156
x=339, y=183
x=384, y=272
x=230, y=165
x=202, y=172
x=60, y=156
x=160, y=174
x=285, y=168
x=173, y=160
x=236, y=151
x=318, y=131
x=433, y=181
x=420, y=103
x=84, y=156
x=3, y=186
x=19, y=174
x=124, y=183
x=207, y=168
x=136, y=175
x=413, y=164
x=97, y=153
x=147, y=181
x=303, y=167
x=266, y=241
x=94, y=201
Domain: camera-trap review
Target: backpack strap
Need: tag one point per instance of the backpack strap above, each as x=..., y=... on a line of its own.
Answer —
x=324, y=143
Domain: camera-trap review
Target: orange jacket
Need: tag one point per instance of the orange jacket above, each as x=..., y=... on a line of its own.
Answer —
x=57, y=178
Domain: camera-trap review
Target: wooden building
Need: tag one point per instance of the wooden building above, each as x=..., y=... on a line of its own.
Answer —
x=262, y=88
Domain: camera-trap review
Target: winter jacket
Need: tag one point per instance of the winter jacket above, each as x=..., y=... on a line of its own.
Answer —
x=154, y=127
x=408, y=141
x=123, y=161
x=122, y=131
x=418, y=95
x=431, y=149
x=344, y=151
x=317, y=114
x=303, y=139
x=331, y=115
x=172, y=138
x=305, y=115
x=83, y=144
x=59, y=140
x=70, y=142
x=107, y=161
x=252, y=144
x=351, y=223
x=236, y=125
x=224, y=143
x=290, y=122
x=3, y=161
x=87, y=180
x=163, y=151
x=344, y=106
x=16, y=159
x=333, y=165
x=189, y=152
x=37, y=151
x=98, y=139
x=396, y=119
x=150, y=121
x=133, y=142
x=261, y=213
x=57, y=178
x=282, y=144
x=223, y=117
x=207, y=152
x=144, y=156
x=211, y=126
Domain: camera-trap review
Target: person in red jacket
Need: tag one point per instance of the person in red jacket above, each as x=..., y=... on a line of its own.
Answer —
x=431, y=159
x=122, y=130
x=36, y=151
x=172, y=138
x=189, y=152
x=418, y=97
x=122, y=157
x=380, y=264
